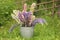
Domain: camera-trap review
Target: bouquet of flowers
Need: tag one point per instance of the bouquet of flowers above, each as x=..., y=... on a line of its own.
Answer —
x=26, y=18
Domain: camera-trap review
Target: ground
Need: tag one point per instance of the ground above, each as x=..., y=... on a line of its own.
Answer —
x=45, y=32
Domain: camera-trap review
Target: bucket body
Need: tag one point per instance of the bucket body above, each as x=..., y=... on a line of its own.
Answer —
x=27, y=32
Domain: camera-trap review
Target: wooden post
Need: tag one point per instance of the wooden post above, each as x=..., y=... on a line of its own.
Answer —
x=53, y=11
x=58, y=12
x=38, y=1
x=35, y=13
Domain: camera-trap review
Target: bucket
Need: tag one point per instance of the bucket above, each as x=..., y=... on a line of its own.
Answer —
x=26, y=32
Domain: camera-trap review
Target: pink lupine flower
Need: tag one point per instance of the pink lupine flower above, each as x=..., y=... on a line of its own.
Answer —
x=21, y=17
x=25, y=7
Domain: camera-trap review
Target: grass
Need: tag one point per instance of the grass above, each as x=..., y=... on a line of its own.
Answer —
x=45, y=32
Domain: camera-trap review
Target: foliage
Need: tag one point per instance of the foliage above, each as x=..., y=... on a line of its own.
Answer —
x=49, y=32
x=6, y=7
x=46, y=32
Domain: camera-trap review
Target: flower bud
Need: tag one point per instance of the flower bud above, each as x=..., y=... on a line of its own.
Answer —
x=25, y=7
x=32, y=7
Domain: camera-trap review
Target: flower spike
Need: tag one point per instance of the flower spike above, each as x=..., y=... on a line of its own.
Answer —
x=25, y=7
x=32, y=7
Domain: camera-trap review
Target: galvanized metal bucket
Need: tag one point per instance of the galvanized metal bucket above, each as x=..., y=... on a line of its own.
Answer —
x=27, y=32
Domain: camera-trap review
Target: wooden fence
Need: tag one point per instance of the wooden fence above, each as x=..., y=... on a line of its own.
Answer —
x=54, y=5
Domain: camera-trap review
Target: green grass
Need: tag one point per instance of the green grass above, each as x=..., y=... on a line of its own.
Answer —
x=45, y=32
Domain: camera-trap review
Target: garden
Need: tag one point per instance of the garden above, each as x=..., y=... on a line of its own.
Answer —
x=48, y=30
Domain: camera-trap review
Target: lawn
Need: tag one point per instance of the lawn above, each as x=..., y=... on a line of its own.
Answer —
x=45, y=32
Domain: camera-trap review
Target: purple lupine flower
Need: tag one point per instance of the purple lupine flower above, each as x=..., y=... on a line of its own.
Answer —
x=26, y=15
x=20, y=16
x=38, y=20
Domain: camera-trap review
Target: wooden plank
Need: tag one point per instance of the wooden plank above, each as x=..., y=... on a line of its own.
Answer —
x=47, y=2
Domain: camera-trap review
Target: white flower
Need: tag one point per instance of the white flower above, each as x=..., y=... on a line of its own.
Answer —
x=15, y=18
x=16, y=12
x=32, y=7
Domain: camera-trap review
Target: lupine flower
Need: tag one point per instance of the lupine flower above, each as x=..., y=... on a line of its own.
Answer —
x=32, y=7
x=21, y=17
x=25, y=7
x=27, y=18
x=15, y=15
x=38, y=20
x=16, y=12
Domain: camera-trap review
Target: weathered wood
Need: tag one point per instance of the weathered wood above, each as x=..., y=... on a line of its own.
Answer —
x=38, y=1
x=58, y=12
